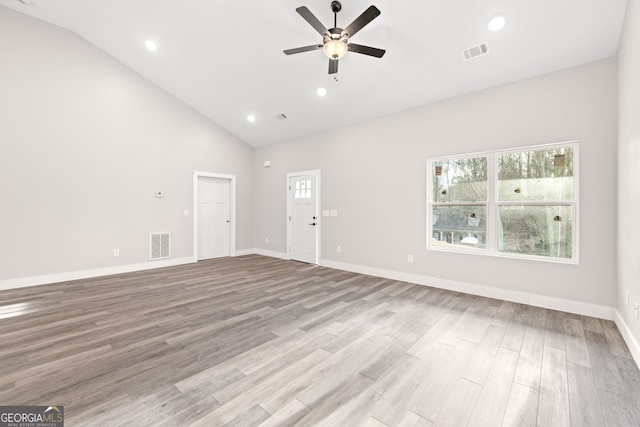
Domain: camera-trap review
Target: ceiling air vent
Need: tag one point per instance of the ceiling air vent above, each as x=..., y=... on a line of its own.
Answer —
x=475, y=51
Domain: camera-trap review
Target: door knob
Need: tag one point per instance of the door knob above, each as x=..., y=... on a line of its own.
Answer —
x=312, y=223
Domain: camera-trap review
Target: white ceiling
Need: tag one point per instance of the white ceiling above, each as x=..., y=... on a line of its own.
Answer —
x=225, y=59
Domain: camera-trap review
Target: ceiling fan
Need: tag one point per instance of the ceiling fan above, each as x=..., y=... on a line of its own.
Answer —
x=335, y=41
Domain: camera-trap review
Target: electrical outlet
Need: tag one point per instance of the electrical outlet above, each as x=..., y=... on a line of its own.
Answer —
x=410, y=258
x=626, y=298
x=266, y=240
x=339, y=249
x=116, y=252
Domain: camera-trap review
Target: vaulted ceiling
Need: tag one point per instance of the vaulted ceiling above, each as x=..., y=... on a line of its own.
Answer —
x=225, y=58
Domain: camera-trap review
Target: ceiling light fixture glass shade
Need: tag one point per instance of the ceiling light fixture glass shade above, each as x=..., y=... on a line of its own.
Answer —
x=335, y=49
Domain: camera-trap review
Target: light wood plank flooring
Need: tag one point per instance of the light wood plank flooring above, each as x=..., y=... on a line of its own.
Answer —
x=252, y=340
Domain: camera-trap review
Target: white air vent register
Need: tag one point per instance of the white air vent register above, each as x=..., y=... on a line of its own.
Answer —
x=475, y=51
x=159, y=245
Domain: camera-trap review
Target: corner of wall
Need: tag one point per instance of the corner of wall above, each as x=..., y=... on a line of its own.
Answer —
x=630, y=339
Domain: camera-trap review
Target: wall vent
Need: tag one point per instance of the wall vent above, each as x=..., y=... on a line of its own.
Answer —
x=475, y=51
x=159, y=245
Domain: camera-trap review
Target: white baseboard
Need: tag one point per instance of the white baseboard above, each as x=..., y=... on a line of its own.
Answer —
x=576, y=307
x=599, y=311
x=272, y=254
x=24, y=282
x=241, y=252
x=629, y=338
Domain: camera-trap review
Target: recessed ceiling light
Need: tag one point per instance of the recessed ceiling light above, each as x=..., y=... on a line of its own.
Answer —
x=497, y=22
x=321, y=91
x=251, y=118
x=151, y=45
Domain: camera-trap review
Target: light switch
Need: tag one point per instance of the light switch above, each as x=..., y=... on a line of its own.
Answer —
x=334, y=212
x=326, y=213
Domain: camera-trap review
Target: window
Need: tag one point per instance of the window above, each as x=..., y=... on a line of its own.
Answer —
x=459, y=207
x=519, y=203
x=303, y=189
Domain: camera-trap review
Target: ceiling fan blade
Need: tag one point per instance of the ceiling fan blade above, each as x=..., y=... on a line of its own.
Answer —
x=367, y=16
x=333, y=66
x=302, y=49
x=311, y=19
x=366, y=50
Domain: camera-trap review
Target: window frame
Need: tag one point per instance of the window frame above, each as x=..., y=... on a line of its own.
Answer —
x=493, y=204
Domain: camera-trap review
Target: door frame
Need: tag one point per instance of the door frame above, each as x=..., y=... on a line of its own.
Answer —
x=290, y=175
x=232, y=209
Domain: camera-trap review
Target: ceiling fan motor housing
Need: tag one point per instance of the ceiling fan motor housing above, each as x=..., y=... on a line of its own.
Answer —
x=335, y=41
x=335, y=34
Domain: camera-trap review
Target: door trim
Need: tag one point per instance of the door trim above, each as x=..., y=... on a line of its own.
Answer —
x=290, y=175
x=232, y=209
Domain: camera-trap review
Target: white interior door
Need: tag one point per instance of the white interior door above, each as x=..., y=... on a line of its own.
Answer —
x=214, y=217
x=303, y=217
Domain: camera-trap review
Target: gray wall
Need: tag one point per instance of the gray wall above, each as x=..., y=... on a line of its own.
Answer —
x=374, y=174
x=84, y=144
x=629, y=170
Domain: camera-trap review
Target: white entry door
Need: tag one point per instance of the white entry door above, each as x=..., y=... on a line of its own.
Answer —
x=304, y=219
x=214, y=217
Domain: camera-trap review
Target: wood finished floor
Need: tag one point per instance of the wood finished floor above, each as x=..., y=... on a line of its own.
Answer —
x=252, y=340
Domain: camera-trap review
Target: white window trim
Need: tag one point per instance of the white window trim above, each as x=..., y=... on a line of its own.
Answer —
x=492, y=205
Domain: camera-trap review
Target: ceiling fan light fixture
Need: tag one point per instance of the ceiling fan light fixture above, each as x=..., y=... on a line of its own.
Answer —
x=335, y=48
x=335, y=40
